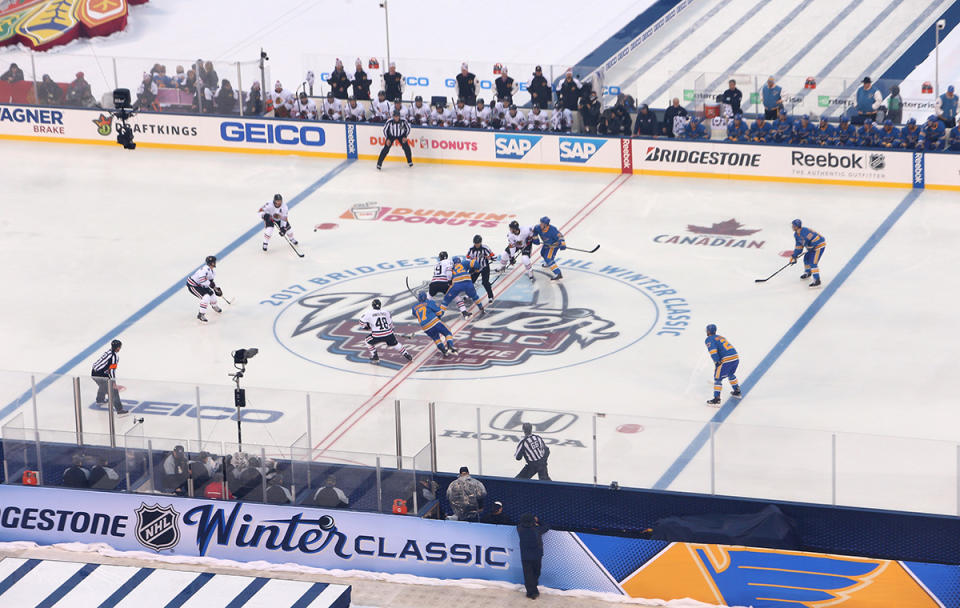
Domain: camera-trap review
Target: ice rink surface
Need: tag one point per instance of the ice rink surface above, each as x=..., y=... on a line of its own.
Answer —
x=101, y=240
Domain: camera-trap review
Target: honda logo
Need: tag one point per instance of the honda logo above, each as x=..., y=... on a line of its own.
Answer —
x=542, y=421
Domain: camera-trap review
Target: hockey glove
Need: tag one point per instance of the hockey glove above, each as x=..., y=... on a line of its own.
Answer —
x=793, y=261
x=218, y=291
x=283, y=230
x=512, y=261
x=562, y=247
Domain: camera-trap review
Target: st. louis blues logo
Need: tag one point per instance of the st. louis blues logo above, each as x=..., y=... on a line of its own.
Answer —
x=157, y=527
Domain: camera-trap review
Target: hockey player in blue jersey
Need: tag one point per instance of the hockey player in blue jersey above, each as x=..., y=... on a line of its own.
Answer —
x=846, y=134
x=737, y=129
x=911, y=135
x=868, y=136
x=933, y=133
x=825, y=133
x=552, y=243
x=427, y=314
x=804, y=132
x=759, y=131
x=694, y=130
x=460, y=283
x=889, y=135
x=814, y=243
x=725, y=361
x=953, y=139
x=782, y=128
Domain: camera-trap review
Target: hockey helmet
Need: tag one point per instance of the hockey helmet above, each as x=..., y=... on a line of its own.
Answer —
x=456, y=259
x=421, y=296
x=376, y=304
x=211, y=260
x=116, y=344
x=277, y=197
x=477, y=239
x=711, y=329
x=442, y=255
x=545, y=220
x=797, y=223
x=515, y=225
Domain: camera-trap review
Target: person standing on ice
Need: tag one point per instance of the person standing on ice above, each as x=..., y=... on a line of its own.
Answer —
x=276, y=214
x=201, y=285
x=814, y=242
x=725, y=361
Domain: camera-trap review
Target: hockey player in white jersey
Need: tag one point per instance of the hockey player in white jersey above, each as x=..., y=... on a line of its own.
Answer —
x=399, y=107
x=331, y=109
x=274, y=214
x=562, y=119
x=442, y=273
x=381, y=108
x=498, y=111
x=481, y=116
x=282, y=100
x=353, y=111
x=449, y=116
x=537, y=120
x=304, y=108
x=202, y=285
x=419, y=113
x=520, y=241
x=515, y=120
x=436, y=116
x=464, y=114
x=380, y=324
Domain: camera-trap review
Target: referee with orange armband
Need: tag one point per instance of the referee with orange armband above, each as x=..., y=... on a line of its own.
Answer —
x=396, y=129
x=104, y=373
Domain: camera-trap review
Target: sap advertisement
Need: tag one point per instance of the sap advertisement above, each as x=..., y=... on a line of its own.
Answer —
x=404, y=544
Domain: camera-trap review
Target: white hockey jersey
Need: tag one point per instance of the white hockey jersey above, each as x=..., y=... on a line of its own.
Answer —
x=420, y=114
x=305, y=111
x=279, y=214
x=464, y=115
x=517, y=242
x=381, y=110
x=515, y=122
x=537, y=121
x=331, y=109
x=203, y=276
x=442, y=271
x=283, y=99
x=449, y=116
x=355, y=113
x=379, y=322
x=482, y=117
x=561, y=120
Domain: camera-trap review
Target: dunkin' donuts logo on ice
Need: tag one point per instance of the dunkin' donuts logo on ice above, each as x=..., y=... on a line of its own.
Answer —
x=373, y=211
x=540, y=326
x=729, y=233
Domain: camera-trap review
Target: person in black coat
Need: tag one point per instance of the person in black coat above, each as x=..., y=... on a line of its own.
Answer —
x=569, y=94
x=732, y=97
x=539, y=88
x=646, y=124
x=467, y=86
x=669, y=114
x=590, y=113
x=361, y=83
x=339, y=81
x=76, y=476
x=530, y=532
x=497, y=516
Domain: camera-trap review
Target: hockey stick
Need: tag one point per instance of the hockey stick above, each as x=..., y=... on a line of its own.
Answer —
x=224, y=298
x=292, y=246
x=594, y=250
x=791, y=263
x=407, y=281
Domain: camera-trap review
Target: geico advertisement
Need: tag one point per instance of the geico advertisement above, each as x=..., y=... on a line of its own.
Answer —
x=247, y=531
x=807, y=164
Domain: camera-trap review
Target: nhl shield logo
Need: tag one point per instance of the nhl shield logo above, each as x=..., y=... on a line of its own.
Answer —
x=157, y=527
x=877, y=162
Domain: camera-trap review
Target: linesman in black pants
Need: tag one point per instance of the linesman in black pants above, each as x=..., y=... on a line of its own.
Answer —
x=482, y=254
x=104, y=373
x=532, y=449
x=396, y=130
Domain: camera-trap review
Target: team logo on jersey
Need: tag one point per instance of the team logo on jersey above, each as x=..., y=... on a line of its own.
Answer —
x=157, y=527
x=714, y=236
x=104, y=124
x=538, y=325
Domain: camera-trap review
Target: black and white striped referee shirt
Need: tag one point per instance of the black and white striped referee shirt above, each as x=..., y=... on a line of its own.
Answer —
x=481, y=254
x=106, y=365
x=396, y=130
x=532, y=448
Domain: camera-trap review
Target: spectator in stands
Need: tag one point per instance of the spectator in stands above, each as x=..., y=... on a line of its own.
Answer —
x=216, y=489
x=339, y=81
x=911, y=135
x=190, y=83
x=180, y=78
x=467, y=85
x=737, y=129
x=846, y=133
x=147, y=95
x=277, y=493
x=226, y=100
x=103, y=476
x=590, y=113
x=506, y=87
x=670, y=115
x=530, y=533
x=497, y=516
x=867, y=101
x=732, y=97
x=868, y=136
x=393, y=83
x=13, y=74
x=209, y=76
x=49, y=93
x=695, y=130
x=895, y=105
x=569, y=92
x=825, y=133
x=803, y=131
x=254, y=100
x=330, y=496
x=539, y=89
x=79, y=93
x=425, y=490
x=163, y=81
x=361, y=83
x=771, y=99
x=947, y=108
x=953, y=139
x=759, y=131
x=175, y=470
x=646, y=123
x=889, y=135
x=933, y=133
x=466, y=495
x=250, y=481
x=76, y=476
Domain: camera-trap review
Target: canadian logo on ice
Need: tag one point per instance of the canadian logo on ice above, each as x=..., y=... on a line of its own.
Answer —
x=718, y=230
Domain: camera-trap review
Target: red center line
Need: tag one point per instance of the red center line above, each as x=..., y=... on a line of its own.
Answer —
x=408, y=370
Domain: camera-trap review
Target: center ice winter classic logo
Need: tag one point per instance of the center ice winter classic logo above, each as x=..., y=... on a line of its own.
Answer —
x=540, y=326
x=157, y=527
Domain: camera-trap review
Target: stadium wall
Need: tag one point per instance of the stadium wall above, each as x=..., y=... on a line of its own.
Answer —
x=531, y=150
